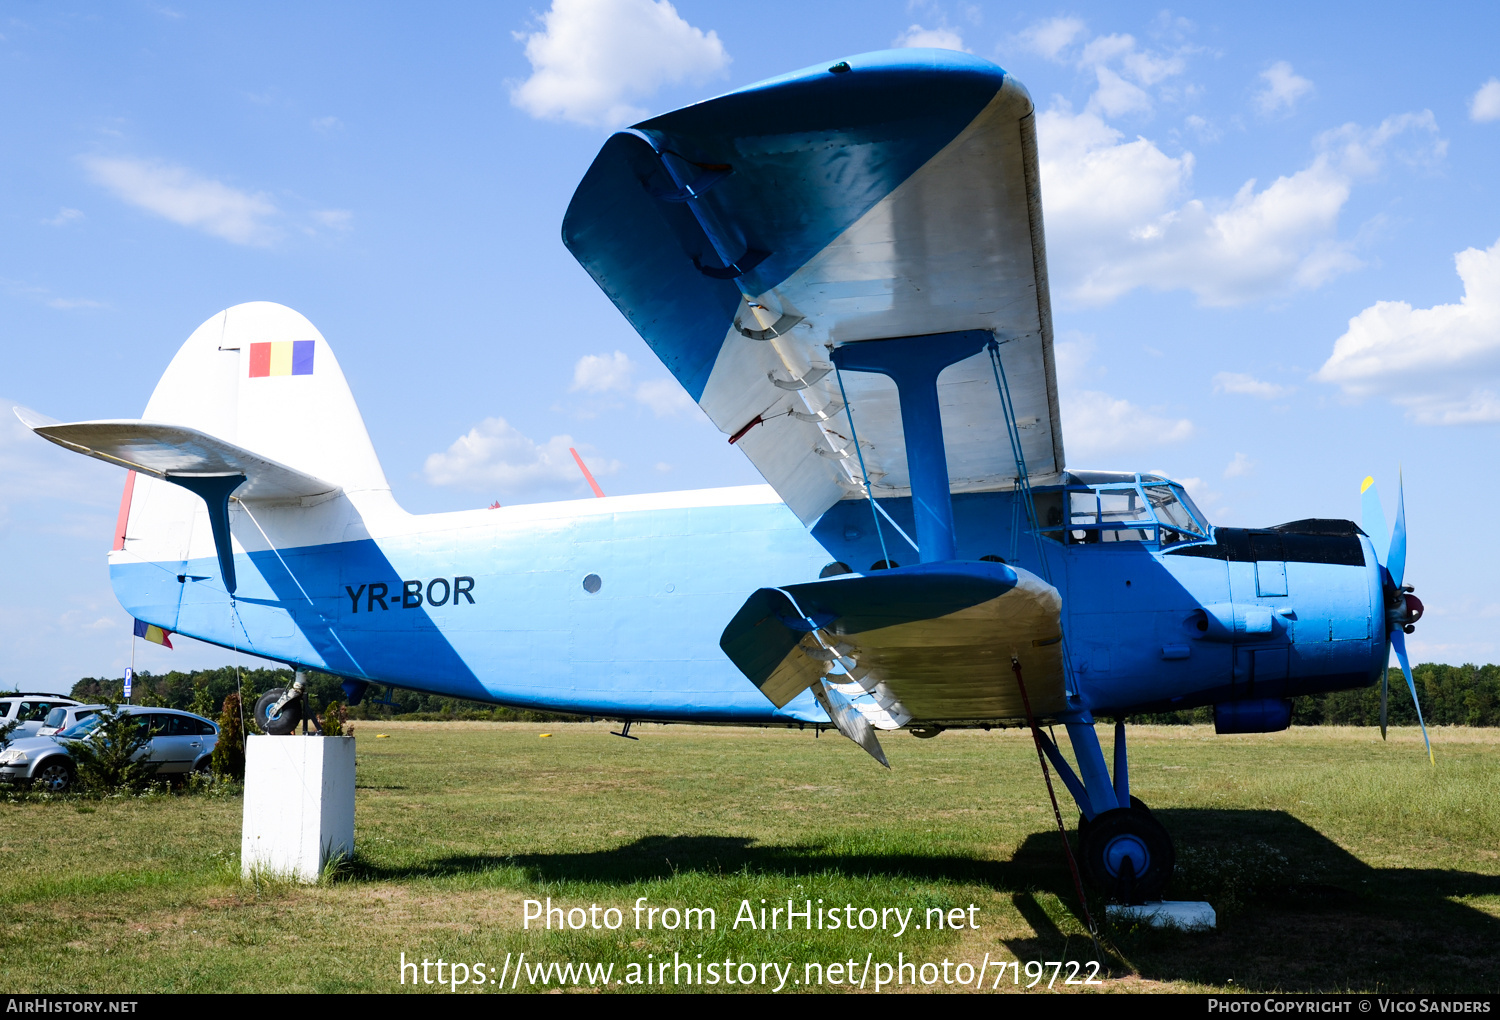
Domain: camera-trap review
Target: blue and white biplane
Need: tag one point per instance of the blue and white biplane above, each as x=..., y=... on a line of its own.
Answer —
x=845, y=267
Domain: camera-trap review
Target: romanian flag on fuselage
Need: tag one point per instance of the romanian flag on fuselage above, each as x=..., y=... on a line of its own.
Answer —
x=283, y=357
x=153, y=633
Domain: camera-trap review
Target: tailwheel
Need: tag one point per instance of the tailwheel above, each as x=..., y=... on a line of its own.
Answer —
x=278, y=722
x=1128, y=855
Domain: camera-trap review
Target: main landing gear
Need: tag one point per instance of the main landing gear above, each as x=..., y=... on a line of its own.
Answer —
x=1126, y=853
x=279, y=710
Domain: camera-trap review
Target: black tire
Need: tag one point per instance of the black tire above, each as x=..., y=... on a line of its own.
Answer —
x=55, y=775
x=285, y=721
x=1135, y=802
x=1112, y=846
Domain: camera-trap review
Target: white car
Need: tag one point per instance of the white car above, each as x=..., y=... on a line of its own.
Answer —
x=65, y=717
x=180, y=742
x=29, y=711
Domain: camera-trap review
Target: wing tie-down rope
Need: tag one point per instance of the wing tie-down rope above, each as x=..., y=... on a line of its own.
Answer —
x=1036, y=738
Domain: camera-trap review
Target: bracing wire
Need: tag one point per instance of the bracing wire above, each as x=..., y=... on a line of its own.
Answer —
x=864, y=473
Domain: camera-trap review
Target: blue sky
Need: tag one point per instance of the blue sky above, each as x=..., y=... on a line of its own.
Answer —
x=1274, y=238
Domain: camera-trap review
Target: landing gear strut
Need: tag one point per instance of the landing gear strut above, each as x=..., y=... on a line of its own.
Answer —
x=279, y=710
x=1126, y=853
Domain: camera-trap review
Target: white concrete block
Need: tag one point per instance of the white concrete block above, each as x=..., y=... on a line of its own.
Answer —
x=299, y=805
x=1188, y=915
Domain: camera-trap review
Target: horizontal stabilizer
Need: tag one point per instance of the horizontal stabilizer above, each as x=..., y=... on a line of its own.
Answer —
x=172, y=451
x=929, y=643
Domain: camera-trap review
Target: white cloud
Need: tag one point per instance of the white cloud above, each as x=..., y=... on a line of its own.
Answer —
x=1284, y=89
x=1096, y=424
x=615, y=373
x=64, y=217
x=1122, y=69
x=594, y=58
x=42, y=294
x=665, y=397
x=494, y=456
x=1485, y=105
x=1441, y=363
x=1237, y=382
x=334, y=219
x=1239, y=467
x=1051, y=37
x=327, y=124
x=602, y=373
x=942, y=38
x=180, y=195
x=1120, y=215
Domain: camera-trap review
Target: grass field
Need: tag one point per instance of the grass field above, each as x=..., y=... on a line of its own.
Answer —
x=1336, y=862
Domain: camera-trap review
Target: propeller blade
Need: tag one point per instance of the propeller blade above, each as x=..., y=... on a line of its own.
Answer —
x=1395, y=562
x=1398, y=641
x=1372, y=518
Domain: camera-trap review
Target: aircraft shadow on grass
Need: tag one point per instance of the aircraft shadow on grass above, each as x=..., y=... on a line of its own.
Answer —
x=1297, y=912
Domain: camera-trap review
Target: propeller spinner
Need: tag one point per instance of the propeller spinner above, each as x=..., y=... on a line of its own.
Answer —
x=1402, y=608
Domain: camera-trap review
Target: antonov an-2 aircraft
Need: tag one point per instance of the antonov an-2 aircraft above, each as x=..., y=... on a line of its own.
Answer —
x=845, y=267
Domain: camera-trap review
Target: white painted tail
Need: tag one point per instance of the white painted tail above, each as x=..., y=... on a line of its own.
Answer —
x=261, y=377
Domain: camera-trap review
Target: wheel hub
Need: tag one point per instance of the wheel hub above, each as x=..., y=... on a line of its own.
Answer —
x=1121, y=847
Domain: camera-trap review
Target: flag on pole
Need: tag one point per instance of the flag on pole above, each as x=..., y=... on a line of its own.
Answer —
x=153, y=633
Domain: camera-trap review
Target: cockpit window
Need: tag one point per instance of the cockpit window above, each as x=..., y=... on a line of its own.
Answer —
x=1173, y=507
x=1128, y=513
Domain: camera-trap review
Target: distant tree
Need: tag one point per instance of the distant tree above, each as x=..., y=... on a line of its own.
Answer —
x=203, y=703
x=228, y=759
x=109, y=759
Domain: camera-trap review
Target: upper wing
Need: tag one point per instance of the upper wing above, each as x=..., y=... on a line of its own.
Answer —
x=168, y=450
x=746, y=236
x=930, y=643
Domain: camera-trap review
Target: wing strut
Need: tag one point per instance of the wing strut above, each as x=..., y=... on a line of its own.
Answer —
x=914, y=364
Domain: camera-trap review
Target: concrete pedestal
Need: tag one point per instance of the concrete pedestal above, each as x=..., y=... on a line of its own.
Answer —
x=299, y=805
x=1188, y=915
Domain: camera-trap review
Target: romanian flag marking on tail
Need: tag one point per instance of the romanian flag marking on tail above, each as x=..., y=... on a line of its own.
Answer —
x=283, y=357
x=153, y=633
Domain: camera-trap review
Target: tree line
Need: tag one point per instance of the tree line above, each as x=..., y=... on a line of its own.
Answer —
x=1465, y=695
x=203, y=691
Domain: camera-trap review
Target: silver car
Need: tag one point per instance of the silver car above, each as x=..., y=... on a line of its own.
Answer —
x=28, y=710
x=180, y=742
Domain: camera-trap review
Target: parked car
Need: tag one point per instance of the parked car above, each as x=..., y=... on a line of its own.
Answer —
x=179, y=742
x=65, y=717
x=28, y=710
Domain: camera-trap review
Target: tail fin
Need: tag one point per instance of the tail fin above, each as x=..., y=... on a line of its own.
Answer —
x=254, y=405
x=261, y=377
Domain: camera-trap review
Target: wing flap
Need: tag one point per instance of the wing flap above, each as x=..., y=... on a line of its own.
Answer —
x=172, y=451
x=927, y=643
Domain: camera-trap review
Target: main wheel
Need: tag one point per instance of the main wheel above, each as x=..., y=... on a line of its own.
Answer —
x=283, y=722
x=1128, y=855
x=55, y=775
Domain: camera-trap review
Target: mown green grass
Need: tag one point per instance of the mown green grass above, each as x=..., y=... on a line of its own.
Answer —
x=1337, y=862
